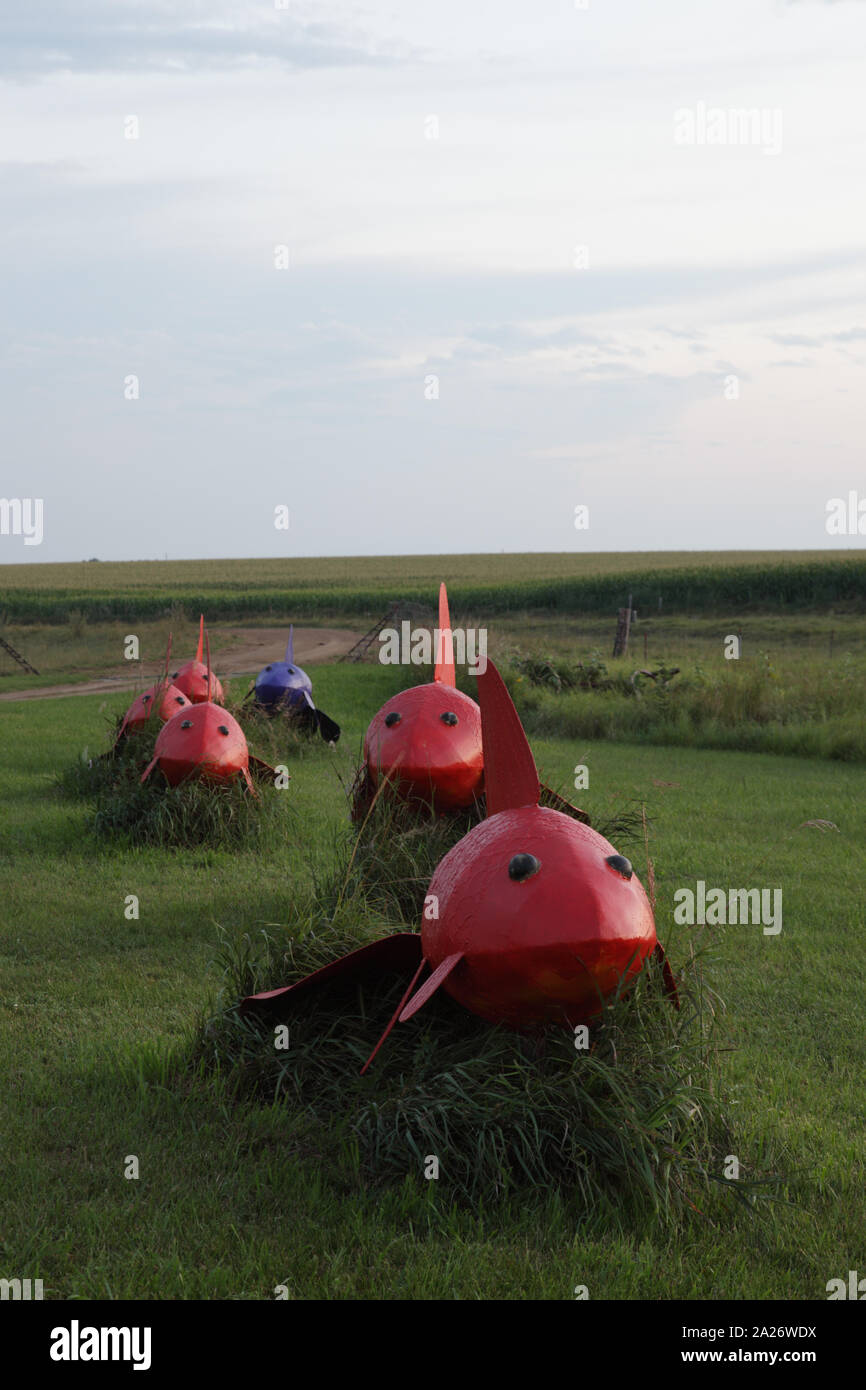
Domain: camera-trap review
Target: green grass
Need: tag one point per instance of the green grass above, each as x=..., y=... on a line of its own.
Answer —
x=99, y=1017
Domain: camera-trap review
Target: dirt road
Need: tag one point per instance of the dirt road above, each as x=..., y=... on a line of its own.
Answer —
x=235, y=652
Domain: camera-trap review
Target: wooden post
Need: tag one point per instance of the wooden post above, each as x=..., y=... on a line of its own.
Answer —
x=623, y=625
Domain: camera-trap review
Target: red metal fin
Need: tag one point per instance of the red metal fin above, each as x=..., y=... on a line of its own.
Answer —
x=667, y=975
x=200, y=637
x=430, y=986
x=149, y=769
x=510, y=774
x=207, y=640
x=395, y=1015
x=263, y=769
x=554, y=802
x=444, y=672
x=245, y=773
x=400, y=951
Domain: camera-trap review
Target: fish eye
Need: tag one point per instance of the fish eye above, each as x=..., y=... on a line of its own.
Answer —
x=620, y=864
x=268, y=668
x=223, y=728
x=179, y=700
x=392, y=719
x=145, y=698
x=448, y=717
x=187, y=724
x=523, y=866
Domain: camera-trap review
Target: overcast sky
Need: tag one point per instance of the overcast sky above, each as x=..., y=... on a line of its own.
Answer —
x=627, y=296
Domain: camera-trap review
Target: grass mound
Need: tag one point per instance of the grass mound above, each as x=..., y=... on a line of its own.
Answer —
x=634, y=1122
x=153, y=813
x=193, y=813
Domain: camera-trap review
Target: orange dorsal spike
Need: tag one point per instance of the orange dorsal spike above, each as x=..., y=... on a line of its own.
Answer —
x=444, y=673
x=207, y=640
x=510, y=774
x=200, y=638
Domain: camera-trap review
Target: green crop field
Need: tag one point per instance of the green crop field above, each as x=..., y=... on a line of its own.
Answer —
x=100, y=1016
x=306, y=588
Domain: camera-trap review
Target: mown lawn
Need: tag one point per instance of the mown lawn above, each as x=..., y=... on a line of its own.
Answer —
x=98, y=1013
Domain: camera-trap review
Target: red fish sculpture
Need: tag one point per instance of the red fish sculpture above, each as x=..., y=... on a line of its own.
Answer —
x=195, y=680
x=538, y=920
x=163, y=698
x=203, y=740
x=426, y=742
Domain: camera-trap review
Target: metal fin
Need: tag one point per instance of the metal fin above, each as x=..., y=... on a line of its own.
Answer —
x=200, y=637
x=430, y=986
x=510, y=774
x=149, y=769
x=667, y=975
x=395, y=1015
x=399, y=951
x=290, y=646
x=444, y=673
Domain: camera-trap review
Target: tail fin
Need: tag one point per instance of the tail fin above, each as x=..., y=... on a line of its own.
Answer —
x=200, y=637
x=444, y=672
x=290, y=647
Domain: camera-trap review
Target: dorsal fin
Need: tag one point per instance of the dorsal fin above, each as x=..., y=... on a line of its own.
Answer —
x=207, y=644
x=200, y=638
x=163, y=680
x=444, y=672
x=290, y=646
x=510, y=774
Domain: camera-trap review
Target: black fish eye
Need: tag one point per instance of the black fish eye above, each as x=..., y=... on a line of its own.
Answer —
x=620, y=864
x=145, y=698
x=268, y=668
x=448, y=717
x=179, y=700
x=223, y=728
x=523, y=866
x=187, y=724
x=392, y=718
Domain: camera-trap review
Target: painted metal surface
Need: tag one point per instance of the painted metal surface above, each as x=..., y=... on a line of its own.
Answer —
x=162, y=700
x=201, y=741
x=195, y=680
x=426, y=741
x=537, y=918
x=282, y=682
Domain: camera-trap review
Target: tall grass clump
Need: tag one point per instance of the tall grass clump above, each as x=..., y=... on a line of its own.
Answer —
x=635, y=1124
x=754, y=706
x=130, y=812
